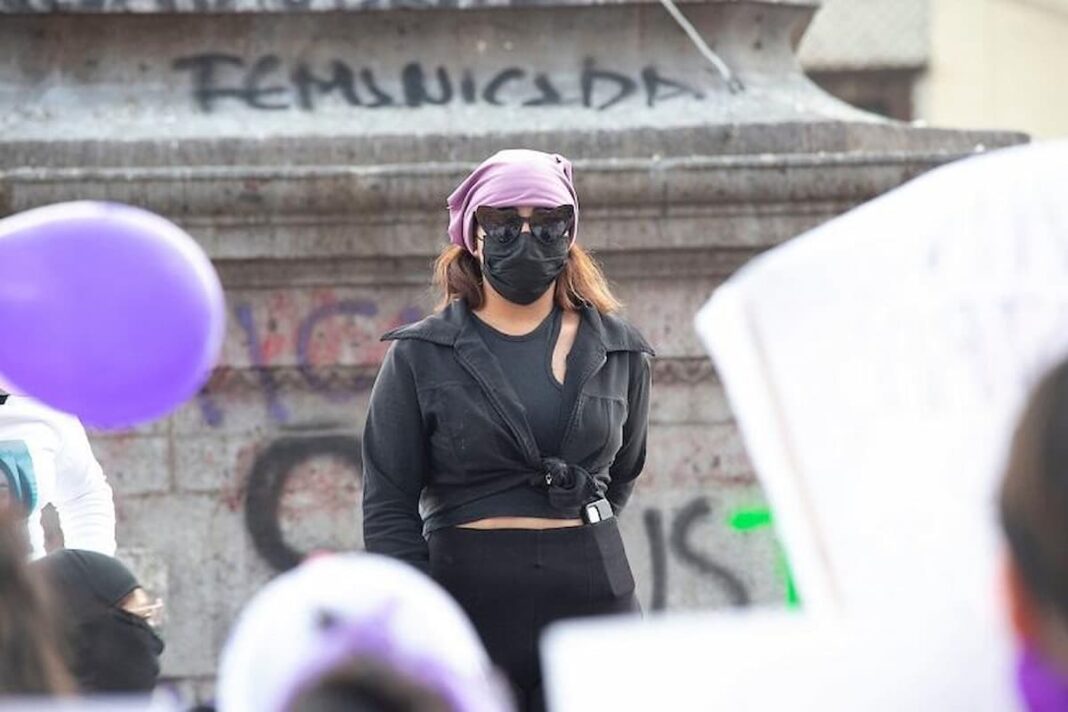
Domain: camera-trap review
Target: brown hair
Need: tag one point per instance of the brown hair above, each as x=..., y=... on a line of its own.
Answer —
x=458, y=275
x=365, y=685
x=31, y=661
x=1034, y=494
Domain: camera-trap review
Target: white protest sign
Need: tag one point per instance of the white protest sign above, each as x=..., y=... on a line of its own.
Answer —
x=765, y=661
x=877, y=364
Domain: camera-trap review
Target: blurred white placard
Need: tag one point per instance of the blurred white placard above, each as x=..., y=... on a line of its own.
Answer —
x=159, y=702
x=761, y=661
x=877, y=365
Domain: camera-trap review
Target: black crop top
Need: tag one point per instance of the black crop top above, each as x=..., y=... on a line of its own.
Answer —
x=527, y=363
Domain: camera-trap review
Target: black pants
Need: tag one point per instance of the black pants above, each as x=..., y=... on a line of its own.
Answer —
x=514, y=582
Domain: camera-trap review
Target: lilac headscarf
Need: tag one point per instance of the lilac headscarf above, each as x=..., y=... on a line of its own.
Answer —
x=512, y=178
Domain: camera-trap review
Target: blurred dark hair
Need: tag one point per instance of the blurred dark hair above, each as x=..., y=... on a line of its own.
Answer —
x=1034, y=494
x=367, y=685
x=31, y=659
x=109, y=649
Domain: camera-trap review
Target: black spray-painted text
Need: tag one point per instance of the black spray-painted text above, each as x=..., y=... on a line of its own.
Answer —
x=270, y=84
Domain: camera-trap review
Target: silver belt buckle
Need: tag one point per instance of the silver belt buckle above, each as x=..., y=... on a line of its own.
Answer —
x=593, y=515
x=591, y=512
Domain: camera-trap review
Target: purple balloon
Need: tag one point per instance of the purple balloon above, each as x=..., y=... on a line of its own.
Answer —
x=108, y=312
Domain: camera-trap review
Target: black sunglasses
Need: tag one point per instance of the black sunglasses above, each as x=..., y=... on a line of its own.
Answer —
x=546, y=224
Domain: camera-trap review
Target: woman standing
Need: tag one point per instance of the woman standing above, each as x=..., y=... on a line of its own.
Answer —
x=505, y=431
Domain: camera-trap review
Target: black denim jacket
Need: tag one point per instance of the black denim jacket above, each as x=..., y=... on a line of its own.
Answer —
x=445, y=428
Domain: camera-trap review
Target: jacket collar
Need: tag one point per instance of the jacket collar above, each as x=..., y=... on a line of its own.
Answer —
x=476, y=358
x=455, y=327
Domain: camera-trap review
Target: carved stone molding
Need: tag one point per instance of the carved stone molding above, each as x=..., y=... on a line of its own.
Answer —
x=355, y=379
x=684, y=372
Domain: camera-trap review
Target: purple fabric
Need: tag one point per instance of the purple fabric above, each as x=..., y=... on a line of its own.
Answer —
x=372, y=637
x=1043, y=688
x=513, y=178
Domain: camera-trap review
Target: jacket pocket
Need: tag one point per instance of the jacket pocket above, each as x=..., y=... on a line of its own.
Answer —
x=598, y=431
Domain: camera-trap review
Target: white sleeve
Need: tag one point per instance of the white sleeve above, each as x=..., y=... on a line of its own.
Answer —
x=83, y=497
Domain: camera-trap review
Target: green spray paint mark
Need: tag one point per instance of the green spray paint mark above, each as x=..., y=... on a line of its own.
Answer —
x=747, y=520
x=744, y=520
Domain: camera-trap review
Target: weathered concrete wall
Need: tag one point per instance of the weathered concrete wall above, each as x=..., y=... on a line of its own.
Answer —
x=389, y=82
x=266, y=464
x=997, y=63
x=270, y=138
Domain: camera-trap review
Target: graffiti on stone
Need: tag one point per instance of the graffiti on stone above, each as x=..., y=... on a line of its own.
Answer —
x=668, y=536
x=276, y=467
x=220, y=81
x=334, y=346
x=680, y=544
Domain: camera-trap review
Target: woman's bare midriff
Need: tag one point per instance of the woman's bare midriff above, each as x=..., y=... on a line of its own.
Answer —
x=521, y=523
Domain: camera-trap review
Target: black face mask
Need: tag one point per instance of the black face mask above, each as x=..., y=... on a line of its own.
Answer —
x=521, y=269
x=120, y=653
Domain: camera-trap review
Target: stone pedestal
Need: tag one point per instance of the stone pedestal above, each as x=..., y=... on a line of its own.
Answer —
x=310, y=144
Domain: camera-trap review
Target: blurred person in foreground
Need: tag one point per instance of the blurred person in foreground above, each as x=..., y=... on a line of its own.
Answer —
x=1034, y=515
x=45, y=458
x=108, y=620
x=31, y=661
x=356, y=632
